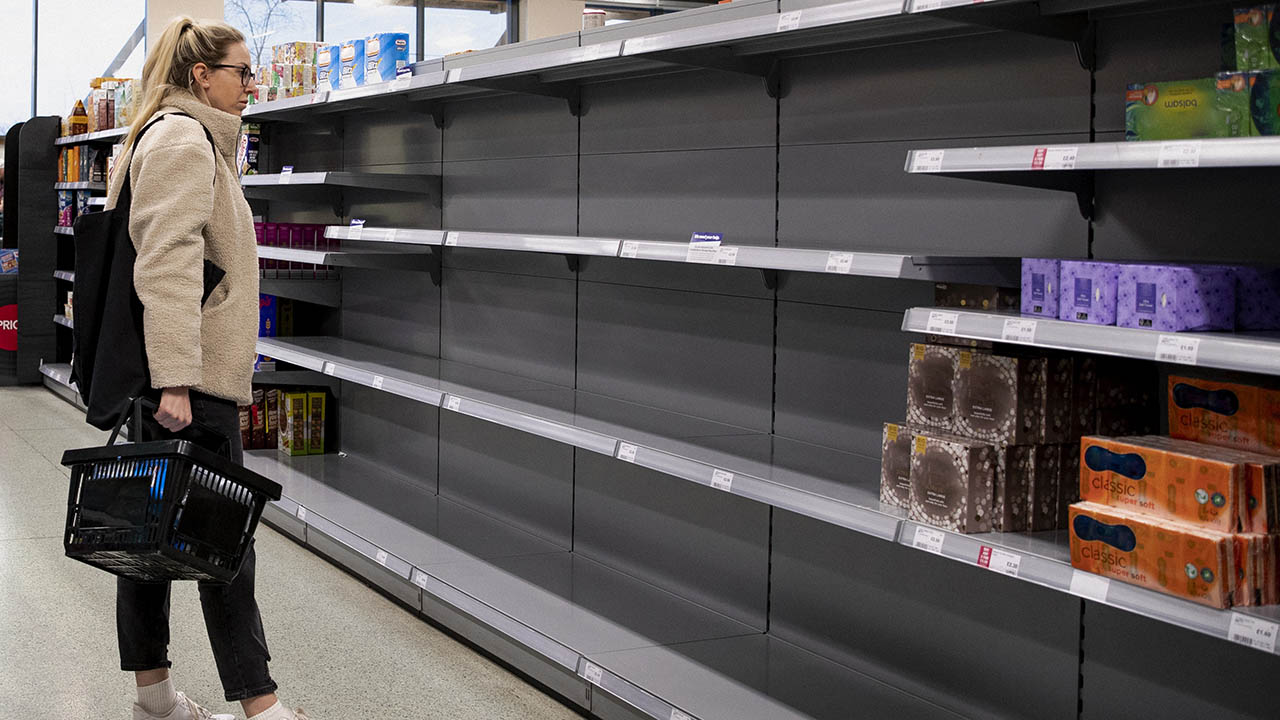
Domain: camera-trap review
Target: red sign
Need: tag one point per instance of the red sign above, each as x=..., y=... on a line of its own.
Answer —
x=984, y=557
x=9, y=327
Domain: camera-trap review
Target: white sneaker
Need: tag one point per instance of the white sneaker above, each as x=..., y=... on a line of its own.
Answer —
x=185, y=709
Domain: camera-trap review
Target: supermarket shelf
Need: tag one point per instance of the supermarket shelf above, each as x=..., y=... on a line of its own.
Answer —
x=112, y=136
x=1087, y=157
x=319, y=292
x=285, y=109
x=938, y=268
x=98, y=202
x=370, y=257
x=63, y=230
x=393, y=182
x=65, y=275
x=757, y=466
x=80, y=186
x=64, y=321
x=1246, y=352
x=59, y=373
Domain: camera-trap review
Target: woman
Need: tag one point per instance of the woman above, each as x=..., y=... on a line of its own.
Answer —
x=187, y=207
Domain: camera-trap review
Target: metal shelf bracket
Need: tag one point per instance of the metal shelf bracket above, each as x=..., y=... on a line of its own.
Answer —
x=1027, y=18
x=575, y=263
x=435, y=266
x=724, y=59
x=770, y=278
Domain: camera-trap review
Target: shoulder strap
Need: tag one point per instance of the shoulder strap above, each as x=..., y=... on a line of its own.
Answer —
x=126, y=192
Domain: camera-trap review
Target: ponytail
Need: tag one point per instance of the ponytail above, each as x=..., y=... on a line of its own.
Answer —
x=184, y=44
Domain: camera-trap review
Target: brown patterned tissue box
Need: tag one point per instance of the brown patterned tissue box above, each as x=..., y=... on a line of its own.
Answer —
x=1015, y=470
x=895, y=465
x=931, y=393
x=976, y=297
x=1001, y=399
x=952, y=482
x=1043, y=492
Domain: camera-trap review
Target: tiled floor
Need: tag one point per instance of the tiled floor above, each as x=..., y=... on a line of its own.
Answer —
x=338, y=648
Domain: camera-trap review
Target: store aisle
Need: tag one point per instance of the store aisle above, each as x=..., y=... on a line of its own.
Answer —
x=339, y=649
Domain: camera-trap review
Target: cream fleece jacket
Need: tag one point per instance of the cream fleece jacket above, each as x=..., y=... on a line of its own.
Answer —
x=188, y=207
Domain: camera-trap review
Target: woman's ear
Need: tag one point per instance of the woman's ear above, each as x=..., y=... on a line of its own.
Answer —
x=200, y=76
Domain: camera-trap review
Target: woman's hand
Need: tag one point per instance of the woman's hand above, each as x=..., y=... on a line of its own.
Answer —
x=174, y=412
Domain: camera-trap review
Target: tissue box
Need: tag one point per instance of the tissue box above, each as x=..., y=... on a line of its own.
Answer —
x=895, y=466
x=1217, y=413
x=1000, y=399
x=1146, y=474
x=351, y=64
x=1213, y=107
x=1257, y=298
x=1068, y=479
x=328, y=67
x=1040, y=287
x=1189, y=562
x=952, y=482
x=974, y=297
x=385, y=54
x=1264, y=101
x=1254, y=38
x=1042, y=489
x=1087, y=292
x=1257, y=512
x=1174, y=298
x=1015, y=473
x=931, y=395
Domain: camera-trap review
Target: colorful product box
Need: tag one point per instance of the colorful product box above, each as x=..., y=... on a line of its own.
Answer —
x=1257, y=298
x=1214, y=107
x=1000, y=399
x=952, y=482
x=315, y=420
x=385, y=55
x=66, y=208
x=931, y=394
x=1216, y=413
x=1255, y=38
x=246, y=427
x=8, y=262
x=1194, y=563
x=293, y=423
x=328, y=67
x=351, y=64
x=1148, y=476
x=257, y=421
x=1040, y=286
x=1262, y=480
x=272, y=405
x=1087, y=292
x=895, y=465
x=1173, y=298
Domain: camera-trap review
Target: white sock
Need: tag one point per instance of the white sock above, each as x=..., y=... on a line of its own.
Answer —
x=275, y=712
x=158, y=699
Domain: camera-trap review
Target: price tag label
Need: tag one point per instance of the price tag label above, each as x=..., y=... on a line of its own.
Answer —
x=1054, y=158
x=942, y=323
x=453, y=75
x=927, y=161
x=1089, y=586
x=392, y=234
x=840, y=262
x=382, y=558
x=1000, y=561
x=722, y=480
x=927, y=5
x=356, y=230
x=453, y=403
x=678, y=715
x=703, y=247
x=328, y=368
x=401, y=82
x=286, y=174
x=630, y=249
x=302, y=513
x=1177, y=349
x=1019, y=330
x=789, y=21
x=377, y=382
x=627, y=452
x=420, y=579
x=451, y=239
x=1180, y=154
x=727, y=256
x=592, y=673
x=929, y=539
x=1253, y=632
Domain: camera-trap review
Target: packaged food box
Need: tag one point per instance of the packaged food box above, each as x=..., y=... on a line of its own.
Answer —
x=351, y=64
x=385, y=55
x=1040, y=286
x=931, y=395
x=1255, y=39
x=1190, y=562
x=1087, y=292
x=258, y=421
x=1174, y=298
x=272, y=416
x=895, y=465
x=328, y=67
x=294, y=423
x=8, y=262
x=1146, y=475
x=1213, y=107
x=316, y=420
x=246, y=427
x=952, y=482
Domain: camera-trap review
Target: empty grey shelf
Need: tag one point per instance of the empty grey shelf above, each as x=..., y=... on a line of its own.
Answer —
x=64, y=230
x=113, y=136
x=371, y=257
x=1060, y=158
x=319, y=292
x=394, y=182
x=59, y=373
x=772, y=470
x=1247, y=352
x=65, y=275
x=64, y=321
x=405, y=236
x=102, y=187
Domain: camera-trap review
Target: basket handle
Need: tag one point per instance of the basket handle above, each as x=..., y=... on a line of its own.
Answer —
x=135, y=408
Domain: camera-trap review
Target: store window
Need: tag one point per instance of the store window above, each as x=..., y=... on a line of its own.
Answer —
x=465, y=25
x=15, y=74
x=271, y=22
x=361, y=18
x=78, y=41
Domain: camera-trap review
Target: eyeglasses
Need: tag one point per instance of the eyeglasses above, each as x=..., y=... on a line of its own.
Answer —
x=246, y=72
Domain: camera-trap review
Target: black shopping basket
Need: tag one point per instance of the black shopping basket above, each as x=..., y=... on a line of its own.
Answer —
x=161, y=510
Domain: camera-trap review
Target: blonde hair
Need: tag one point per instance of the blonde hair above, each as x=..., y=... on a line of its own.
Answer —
x=184, y=44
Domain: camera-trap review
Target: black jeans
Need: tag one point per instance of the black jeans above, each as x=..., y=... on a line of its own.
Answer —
x=230, y=610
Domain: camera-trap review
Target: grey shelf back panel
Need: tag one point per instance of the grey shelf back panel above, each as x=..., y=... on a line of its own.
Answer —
x=510, y=126
x=684, y=20
x=512, y=195
x=393, y=139
x=394, y=432
x=398, y=310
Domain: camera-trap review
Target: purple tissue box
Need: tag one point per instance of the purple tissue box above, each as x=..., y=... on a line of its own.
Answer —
x=1087, y=291
x=1040, y=286
x=1257, y=298
x=1174, y=298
